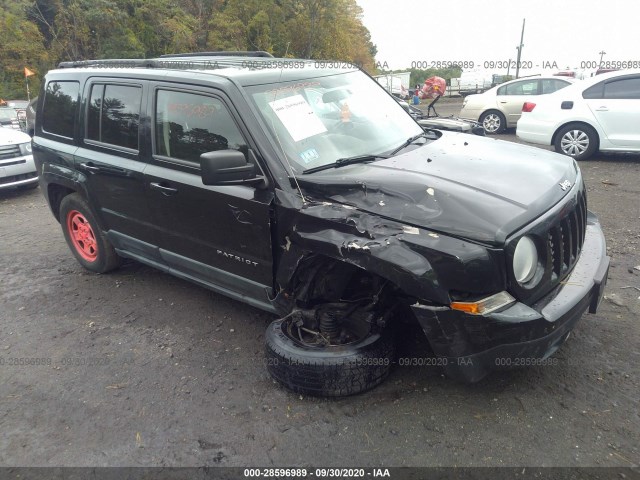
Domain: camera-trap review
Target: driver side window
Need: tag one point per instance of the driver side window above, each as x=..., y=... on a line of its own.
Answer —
x=188, y=125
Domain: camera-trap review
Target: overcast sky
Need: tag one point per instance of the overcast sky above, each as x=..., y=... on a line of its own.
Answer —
x=568, y=32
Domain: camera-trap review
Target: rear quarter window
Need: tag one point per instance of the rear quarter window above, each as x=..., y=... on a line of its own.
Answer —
x=594, y=91
x=60, y=108
x=625, y=88
x=114, y=115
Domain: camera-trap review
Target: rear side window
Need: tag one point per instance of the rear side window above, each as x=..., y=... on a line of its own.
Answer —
x=59, y=110
x=627, y=88
x=550, y=85
x=594, y=91
x=527, y=87
x=188, y=125
x=114, y=115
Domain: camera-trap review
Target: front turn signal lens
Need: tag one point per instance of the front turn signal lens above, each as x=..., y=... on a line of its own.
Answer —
x=484, y=306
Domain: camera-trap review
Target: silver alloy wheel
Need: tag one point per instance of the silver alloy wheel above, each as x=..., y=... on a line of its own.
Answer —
x=491, y=123
x=574, y=142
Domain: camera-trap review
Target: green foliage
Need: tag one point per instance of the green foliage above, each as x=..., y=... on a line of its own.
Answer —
x=20, y=40
x=40, y=33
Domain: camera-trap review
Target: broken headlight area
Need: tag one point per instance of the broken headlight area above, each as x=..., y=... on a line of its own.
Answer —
x=484, y=305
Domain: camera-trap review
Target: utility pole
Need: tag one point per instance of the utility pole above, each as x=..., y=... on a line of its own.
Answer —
x=602, y=53
x=519, y=48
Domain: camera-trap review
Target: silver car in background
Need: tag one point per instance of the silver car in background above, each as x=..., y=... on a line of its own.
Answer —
x=500, y=107
x=16, y=161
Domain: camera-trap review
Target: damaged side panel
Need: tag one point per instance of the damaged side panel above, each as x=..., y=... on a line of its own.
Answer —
x=423, y=264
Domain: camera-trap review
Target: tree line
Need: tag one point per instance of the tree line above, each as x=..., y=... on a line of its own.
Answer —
x=40, y=33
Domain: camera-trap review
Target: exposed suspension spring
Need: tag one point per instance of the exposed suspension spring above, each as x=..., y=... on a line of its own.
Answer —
x=329, y=324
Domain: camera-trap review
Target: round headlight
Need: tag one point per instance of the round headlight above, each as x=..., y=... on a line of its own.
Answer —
x=525, y=260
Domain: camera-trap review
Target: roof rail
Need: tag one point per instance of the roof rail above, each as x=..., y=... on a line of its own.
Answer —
x=121, y=63
x=164, y=61
x=256, y=53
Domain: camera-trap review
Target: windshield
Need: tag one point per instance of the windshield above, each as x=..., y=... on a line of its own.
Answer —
x=321, y=120
x=8, y=113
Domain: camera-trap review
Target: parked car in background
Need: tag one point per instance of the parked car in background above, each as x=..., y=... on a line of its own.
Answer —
x=20, y=106
x=31, y=116
x=436, y=122
x=9, y=118
x=500, y=107
x=598, y=113
x=16, y=161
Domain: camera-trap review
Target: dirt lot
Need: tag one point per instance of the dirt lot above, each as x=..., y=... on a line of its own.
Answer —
x=138, y=368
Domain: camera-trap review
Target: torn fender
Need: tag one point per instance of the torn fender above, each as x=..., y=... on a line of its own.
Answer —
x=422, y=263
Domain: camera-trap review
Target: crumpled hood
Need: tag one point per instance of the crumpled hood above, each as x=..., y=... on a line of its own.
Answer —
x=463, y=185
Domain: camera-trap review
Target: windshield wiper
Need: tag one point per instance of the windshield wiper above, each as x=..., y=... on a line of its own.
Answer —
x=408, y=142
x=341, y=162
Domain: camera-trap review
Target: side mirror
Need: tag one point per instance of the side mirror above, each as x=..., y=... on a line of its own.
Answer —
x=224, y=167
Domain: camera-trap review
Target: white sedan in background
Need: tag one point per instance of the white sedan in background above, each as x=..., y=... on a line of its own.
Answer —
x=500, y=107
x=601, y=113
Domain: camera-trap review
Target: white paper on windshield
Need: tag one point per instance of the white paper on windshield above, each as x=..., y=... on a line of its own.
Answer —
x=298, y=117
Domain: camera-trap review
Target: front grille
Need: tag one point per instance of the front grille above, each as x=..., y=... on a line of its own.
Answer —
x=8, y=163
x=565, y=239
x=9, y=151
x=559, y=236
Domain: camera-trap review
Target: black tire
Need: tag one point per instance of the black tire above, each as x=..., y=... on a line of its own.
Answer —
x=493, y=122
x=94, y=252
x=577, y=140
x=329, y=371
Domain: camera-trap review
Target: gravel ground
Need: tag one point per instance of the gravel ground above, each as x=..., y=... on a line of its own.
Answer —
x=138, y=368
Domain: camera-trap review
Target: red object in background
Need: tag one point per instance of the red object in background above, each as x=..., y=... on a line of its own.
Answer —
x=433, y=87
x=567, y=73
x=528, y=106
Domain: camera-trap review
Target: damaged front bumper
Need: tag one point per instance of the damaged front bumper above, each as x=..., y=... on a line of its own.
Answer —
x=470, y=346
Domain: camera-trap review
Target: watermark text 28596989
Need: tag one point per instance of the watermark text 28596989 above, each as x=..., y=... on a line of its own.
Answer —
x=24, y=361
x=425, y=64
x=615, y=64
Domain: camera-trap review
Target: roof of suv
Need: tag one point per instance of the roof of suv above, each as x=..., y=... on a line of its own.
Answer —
x=244, y=67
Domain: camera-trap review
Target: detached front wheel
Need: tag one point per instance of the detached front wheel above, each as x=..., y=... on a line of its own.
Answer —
x=85, y=239
x=312, y=363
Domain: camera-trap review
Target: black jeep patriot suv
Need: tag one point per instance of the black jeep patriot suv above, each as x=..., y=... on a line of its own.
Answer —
x=304, y=189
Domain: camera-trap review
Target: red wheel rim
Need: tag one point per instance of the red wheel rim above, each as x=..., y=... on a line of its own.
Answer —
x=82, y=236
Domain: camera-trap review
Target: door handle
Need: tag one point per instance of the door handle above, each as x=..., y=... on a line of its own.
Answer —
x=501, y=101
x=602, y=109
x=163, y=189
x=90, y=167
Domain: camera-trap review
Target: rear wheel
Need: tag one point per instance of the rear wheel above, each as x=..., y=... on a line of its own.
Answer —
x=493, y=121
x=577, y=140
x=86, y=241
